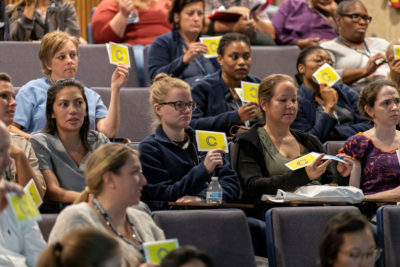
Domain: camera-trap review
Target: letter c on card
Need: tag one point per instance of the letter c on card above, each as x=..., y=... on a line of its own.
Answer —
x=208, y=141
x=325, y=76
x=253, y=92
x=118, y=55
x=213, y=46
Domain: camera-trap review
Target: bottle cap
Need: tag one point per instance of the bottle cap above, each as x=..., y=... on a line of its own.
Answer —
x=214, y=178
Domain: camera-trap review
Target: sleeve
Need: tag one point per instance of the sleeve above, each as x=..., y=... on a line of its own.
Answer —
x=161, y=61
x=101, y=109
x=255, y=183
x=20, y=26
x=305, y=118
x=283, y=35
x=200, y=119
x=160, y=186
x=34, y=243
x=42, y=152
x=71, y=21
x=24, y=110
x=102, y=32
x=355, y=147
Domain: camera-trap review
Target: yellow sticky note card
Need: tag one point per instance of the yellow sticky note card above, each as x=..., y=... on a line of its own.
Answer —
x=23, y=207
x=118, y=53
x=326, y=74
x=207, y=141
x=157, y=250
x=302, y=161
x=250, y=91
x=212, y=44
x=31, y=189
x=239, y=91
x=396, y=51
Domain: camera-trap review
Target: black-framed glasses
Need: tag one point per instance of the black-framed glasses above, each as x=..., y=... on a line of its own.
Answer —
x=356, y=17
x=181, y=106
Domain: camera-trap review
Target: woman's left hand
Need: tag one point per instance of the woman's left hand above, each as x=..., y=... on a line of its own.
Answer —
x=344, y=169
x=188, y=199
x=119, y=76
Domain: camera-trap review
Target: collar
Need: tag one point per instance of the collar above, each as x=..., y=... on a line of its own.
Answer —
x=160, y=135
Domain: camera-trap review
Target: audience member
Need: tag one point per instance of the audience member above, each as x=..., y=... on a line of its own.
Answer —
x=32, y=19
x=115, y=182
x=170, y=158
x=376, y=169
x=264, y=149
x=187, y=256
x=59, y=55
x=258, y=28
x=24, y=165
x=358, y=59
x=348, y=240
x=82, y=248
x=66, y=142
x=219, y=106
x=305, y=22
x=21, y=242
x=179, y=52
x=394, y=64
x=329, y=113
x=129, y=21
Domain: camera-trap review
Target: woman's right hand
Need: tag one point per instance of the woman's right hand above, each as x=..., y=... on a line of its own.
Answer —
x=317, y=168
x=248, y=111
x=125, y=7
x=213, y=159
x=372, y=64
x=194, y=50
x=329, y=96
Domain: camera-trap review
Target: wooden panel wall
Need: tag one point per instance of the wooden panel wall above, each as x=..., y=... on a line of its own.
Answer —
x=83, y=8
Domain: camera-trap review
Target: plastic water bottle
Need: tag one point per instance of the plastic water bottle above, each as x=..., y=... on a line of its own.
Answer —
x=214, y=191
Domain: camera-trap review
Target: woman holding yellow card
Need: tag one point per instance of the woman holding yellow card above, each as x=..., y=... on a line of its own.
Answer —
x=171, y=162
x=265, y=149
x=328, y=112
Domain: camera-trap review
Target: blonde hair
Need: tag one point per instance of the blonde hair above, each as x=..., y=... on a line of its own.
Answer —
x=107, y=158
x=51, y=44
x=160, y=88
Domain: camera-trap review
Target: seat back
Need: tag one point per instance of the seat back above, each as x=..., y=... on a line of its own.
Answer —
x=294, y=233
x=136, y=119
x=332, y=147
x=233, y=152
x=46, y=224
x=267, y=60
x=223, y=234
x=388, y=228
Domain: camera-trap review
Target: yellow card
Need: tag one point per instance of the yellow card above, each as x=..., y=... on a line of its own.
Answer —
x=207, y=141
x=23, y=207
x=118, y=53
x=250, y=91
x=302, y=161
x=212, y=44
x=326, y=74
x=31, y=189
x=396, y=51
x=239, y=91
x=157, y=250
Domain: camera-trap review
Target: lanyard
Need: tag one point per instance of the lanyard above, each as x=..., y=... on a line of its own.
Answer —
x=114, y=229
x=367, y=53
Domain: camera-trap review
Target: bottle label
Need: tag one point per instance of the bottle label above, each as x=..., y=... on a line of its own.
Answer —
x=215, y=195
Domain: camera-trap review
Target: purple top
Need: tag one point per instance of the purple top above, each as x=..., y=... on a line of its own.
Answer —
x=295, y=20
x=380, y=169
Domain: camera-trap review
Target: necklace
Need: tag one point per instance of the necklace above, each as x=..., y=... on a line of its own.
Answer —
x=115, y=230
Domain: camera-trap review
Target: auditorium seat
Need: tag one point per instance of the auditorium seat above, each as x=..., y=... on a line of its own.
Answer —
x=46, y=224
x=388, y=228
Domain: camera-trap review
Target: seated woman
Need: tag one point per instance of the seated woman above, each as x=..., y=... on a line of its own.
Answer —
x=66, y=142
x=305, y=22
x=130, y=21
x=329, y=113
x=376, y=169
x=358, y=59
x=170, y=158
x=264, y=149
x=59, y=55
x=179, y=52
x=21, y=242
x=218, y=106
x=82, y=247
x=348, y=240
x=115, y=181
x=32, y=19
x=25, y=165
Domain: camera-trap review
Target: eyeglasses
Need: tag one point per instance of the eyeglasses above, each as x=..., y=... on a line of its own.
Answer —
x=181, y=106
x=356, y=17
x=372, y=255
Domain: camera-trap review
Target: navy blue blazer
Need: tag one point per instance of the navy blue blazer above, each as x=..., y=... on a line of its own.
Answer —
x=213, y=112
